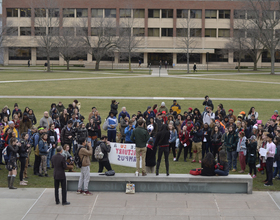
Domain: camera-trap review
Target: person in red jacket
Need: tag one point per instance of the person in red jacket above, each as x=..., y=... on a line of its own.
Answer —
x=184, y=143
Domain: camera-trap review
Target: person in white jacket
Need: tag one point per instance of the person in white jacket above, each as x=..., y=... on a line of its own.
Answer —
x=208, y=115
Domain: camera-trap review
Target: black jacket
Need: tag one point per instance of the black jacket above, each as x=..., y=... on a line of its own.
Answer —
x=208, y=103
x=23, y=149
x=208, y=171
x=92, y=129
x=12, y=152
x=52, y=137
x=82, y=133
x=206, y=134
x=162, y=138
x=105, y=150
x=114, y=109
x=65, y=134
x=150, y=157
x=216, y=138
x=197, y=135
x=59, y=165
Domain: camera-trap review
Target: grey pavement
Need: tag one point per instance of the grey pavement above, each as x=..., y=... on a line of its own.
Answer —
x=137, y=98
x=34, y=203
x=162, y=72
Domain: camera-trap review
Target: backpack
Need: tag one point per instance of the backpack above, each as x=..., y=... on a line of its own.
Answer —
x=98, y=154
x=77, y=160
x=5, y=156
x=195, y=172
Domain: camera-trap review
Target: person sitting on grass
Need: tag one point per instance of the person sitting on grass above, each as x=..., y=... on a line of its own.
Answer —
x=251, y=145
x=68, y=158
x=208, y=165
x=222, y=168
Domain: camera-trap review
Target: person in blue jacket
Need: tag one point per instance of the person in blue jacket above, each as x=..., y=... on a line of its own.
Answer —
x=123, y=112
x=112, y=127
x=149, y=114
x=43, y=152
x=128, y=131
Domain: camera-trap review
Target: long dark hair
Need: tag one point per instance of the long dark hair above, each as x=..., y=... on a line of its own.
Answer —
x=222, y=156
x=208, y=160
x=163, y=131
x=250, y=112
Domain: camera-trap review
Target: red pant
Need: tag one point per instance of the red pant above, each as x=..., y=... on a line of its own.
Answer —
x=242, y=160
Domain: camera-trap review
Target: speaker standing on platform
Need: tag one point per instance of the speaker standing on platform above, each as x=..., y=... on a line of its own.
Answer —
x=59, y=165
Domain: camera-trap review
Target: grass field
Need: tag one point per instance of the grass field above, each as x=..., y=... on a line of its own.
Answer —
x=136, y=86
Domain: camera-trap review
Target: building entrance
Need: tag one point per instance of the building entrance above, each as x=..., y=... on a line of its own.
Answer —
x=154, y=58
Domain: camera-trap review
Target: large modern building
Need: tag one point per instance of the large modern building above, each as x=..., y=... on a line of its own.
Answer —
x=211, y=24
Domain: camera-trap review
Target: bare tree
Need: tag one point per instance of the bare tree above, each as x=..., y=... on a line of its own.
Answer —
x=129, y=39
x=69, y=45
x=46, y=27
x=103, y=41
x=262, y=17
x=187, y=34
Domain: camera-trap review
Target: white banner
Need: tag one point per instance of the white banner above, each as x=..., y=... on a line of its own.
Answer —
x=123, y=154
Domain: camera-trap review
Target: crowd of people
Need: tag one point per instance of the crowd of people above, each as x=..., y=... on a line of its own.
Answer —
x=214, y=139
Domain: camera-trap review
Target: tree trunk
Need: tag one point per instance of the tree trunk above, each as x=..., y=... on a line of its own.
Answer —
x=272, y=60
x=255, y=65
x=188, y=59
x=129, y=63
x=97, y=65
x=48, y=62
x=68, y=61
x=239, y=65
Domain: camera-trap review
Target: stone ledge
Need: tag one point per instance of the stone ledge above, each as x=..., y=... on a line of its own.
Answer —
x=173, y=183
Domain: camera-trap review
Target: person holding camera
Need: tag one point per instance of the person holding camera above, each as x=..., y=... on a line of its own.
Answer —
x=114, y=107
x=208, y=102
x=208, y=116
x=24, y=149
x=52, y=141
x=128, y=131
x=11, y=166
x=85, y=151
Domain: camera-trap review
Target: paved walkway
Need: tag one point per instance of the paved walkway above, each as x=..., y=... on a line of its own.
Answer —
x=159, y=72
x=38, y=204
x=136, y=97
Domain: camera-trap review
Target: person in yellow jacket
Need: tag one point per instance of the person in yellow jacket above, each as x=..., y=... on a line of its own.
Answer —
x=176, y=107
x=11, y=125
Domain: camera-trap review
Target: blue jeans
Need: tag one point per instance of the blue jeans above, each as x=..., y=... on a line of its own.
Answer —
x=50, y=154
x=91, y=141
x=232, y=159
x=112, y=135
x=221, y=172
x=276, y=169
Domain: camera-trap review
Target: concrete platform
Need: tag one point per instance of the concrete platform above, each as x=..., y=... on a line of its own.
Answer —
x=175, y=183
x=39, y=204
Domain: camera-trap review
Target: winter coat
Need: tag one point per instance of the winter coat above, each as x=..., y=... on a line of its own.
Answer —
x=82, y=133
x=206, y=135
x=65, y=133
x=43, y=148
x=52, y=137
x=173, y=136
x=85, y=154
x=216, y=138
x=60, y=108
x=114, y=109
x=197, y=135
x=63, y=120
x=128, y=133
x=140, y=136
x=150, y=157
x=24, y=126
x=184, y=137
x=251, y=152
x=46, y=122
x=93, y=129
x=123, y=126
x=149, y=114
x=105, y=148
x=161, y=109
x=23, y=149
x=32, y=119
x=231, y=140
x=176, y=108
x=241, y=145
x=120, y=115
x=112, y=121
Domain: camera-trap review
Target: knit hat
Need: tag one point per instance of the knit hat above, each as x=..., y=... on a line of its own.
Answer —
x=230, y=110
x=163, y=112
x=276, y=111
x=253, y=137
x=163, y=104
x=190, y=108
x=10, y=122
x=256, y=127
x=242, y=113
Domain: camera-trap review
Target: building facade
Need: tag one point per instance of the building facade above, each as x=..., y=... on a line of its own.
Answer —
x=158, y=22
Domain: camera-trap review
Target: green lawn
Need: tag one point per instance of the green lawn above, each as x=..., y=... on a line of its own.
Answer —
x=147, y=87
x=138, y=86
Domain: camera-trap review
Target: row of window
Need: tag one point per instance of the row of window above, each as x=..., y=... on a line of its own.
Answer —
x=16, y=53
x=124, y=13
x=152, y=32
